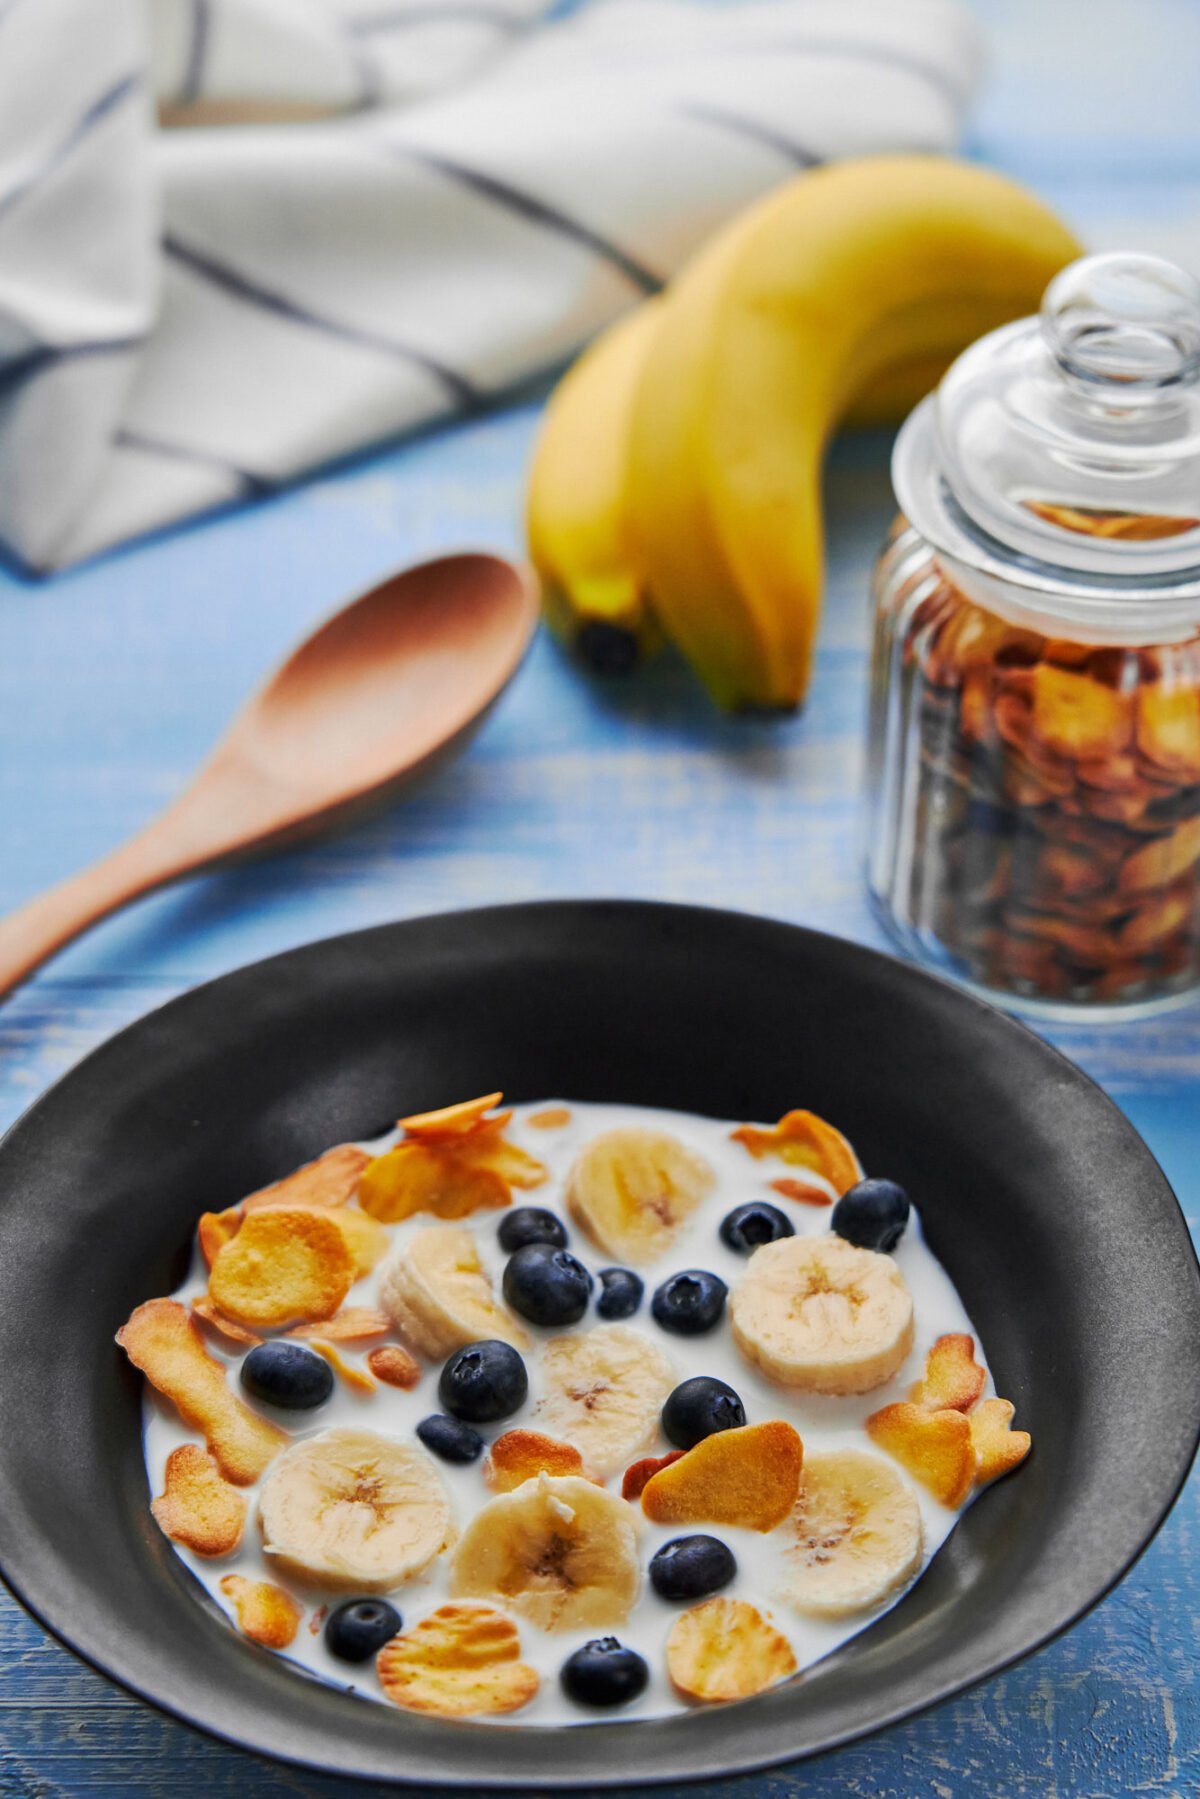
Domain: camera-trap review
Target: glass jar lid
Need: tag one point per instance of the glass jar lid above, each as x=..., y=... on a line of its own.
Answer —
x=1063, y=452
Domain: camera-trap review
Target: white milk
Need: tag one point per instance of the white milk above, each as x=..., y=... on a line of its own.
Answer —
x=823, y=1423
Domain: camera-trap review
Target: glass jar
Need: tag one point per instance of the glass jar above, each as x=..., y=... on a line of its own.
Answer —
x=1034, y=757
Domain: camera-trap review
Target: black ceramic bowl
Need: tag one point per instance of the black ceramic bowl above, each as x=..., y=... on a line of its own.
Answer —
x=1048, y=1211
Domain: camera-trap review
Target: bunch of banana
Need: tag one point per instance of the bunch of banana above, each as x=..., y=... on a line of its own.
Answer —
x=677, y=480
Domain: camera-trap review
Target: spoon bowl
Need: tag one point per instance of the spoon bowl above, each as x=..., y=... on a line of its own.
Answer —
x=388, y=683
x=376, y=695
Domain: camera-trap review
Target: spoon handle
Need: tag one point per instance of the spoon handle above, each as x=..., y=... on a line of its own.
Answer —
x=33, y=933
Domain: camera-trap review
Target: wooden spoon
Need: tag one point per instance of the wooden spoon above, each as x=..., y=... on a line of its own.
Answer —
x=379, y=692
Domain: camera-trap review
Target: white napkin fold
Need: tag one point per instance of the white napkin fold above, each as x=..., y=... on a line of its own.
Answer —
x=196, y=313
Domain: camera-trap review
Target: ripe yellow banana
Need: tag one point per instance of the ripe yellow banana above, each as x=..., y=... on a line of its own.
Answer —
x=578, y=514
x=845, y=282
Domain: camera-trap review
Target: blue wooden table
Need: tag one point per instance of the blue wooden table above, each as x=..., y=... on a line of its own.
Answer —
x=115, y=678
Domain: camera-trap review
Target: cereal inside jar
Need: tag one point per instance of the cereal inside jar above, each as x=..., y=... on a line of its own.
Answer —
x=1035, y=731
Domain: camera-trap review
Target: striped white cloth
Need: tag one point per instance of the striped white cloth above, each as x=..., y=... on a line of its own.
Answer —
x=239, y=238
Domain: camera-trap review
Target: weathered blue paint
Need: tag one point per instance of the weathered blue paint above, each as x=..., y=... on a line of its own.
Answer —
x=115, y=678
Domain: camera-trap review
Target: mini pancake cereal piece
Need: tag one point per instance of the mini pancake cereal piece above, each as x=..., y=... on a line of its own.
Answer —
x=356, y=1378
x=215, y=1230
x=207, y=1312
x=347, y=1326
x=748, y=1477
x=394, y=1366
x=424, y=1177
x=998, y=1449
x=265, y=1613
x=953, y=1379
x=365, y=1238
x=724, y=1649
x=1162, y=860
x=451, y=1121
x=1168, y=728
x=633, y=1482
x=552, y=1119
x=162, y=1341
x=450, y=1163
x=286, y=1263
x=801, y=1191
x=519, y=1455
x=461, y=1661
x=807, y=1142
x=329, y=1181
x=1077, y=717
x=935, y=1447
x=487, y=1150
x=196, y=1506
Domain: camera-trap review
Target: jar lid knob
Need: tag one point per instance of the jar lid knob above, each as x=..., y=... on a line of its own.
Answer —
x=1064, y=448
x=1125, y=322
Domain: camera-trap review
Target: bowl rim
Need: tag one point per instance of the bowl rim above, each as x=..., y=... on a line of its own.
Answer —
x=875, y=963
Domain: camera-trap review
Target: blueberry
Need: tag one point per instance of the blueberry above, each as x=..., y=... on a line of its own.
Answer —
x=620, y=1293
x=530, y=1224
x=690, y=1567
x=699, y=1407
x=604, y=1672
x=689, y=1303
x=872, y=1215
x=452, y=1440
x=358, y=1629
x=288, y=1375
x=547, y=1285
x=756, y=1222
x=483, y=1382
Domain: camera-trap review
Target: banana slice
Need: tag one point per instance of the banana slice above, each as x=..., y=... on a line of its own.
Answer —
x=604, y=1391
x=817, y=1313
x=559, y=1550
x=631, y=1189
x=857, y=1531
x=354, y=1510
x=438, y=1296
